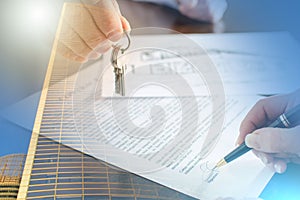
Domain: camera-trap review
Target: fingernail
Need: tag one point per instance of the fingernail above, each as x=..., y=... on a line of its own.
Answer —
x=278, y=168
x=114, y=36
x=251, y=142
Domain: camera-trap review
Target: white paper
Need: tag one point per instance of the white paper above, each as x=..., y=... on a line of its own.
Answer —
x=186, y=172
x=247, y=63
x=140, y=153
x=92, y=114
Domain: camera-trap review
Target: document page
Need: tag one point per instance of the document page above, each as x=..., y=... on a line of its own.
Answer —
x=162, y=132
x=246, y=71
x=149, y=135
x=181, y=112
x=248, y=63
x=184, y=164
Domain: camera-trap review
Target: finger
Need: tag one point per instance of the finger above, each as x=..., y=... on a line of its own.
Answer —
x=93, y=55
x=103, y=47
x=116, y=5
x=107, y=19
x=265, y=158
x=263, y=111
x=125, y=24
x=275, y=140
x=81, y=21
x=74, y=42
x=279, y=166
x=284, y=155
x=68, y=53
x=124, y=21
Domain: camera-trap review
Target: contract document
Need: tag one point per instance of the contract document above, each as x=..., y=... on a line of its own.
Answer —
x=164, y=127
x=178, y=163
x=185, y=99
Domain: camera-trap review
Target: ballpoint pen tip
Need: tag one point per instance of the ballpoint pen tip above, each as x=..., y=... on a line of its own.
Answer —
x=221, y=163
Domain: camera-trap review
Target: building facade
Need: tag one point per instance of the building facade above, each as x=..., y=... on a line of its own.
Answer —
x=11, y=168
x=60, y=172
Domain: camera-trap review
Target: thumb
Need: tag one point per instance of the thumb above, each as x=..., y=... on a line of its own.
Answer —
x=275, y=140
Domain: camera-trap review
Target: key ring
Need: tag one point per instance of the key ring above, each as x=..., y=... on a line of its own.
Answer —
x=117, y=48
x=129, y=42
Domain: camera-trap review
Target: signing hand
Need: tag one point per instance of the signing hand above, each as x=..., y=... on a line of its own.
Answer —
x=274, y=146
x=89, y=28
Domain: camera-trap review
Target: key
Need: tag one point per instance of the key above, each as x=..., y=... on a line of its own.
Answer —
x=119, y=72
x=119, y=80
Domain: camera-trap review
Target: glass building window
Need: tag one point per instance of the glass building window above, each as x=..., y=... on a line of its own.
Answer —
x=40, y=194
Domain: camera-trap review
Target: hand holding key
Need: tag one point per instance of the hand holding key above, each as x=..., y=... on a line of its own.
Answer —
x=89, y=28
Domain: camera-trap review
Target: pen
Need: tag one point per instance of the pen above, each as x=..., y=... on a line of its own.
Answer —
x=286, y=120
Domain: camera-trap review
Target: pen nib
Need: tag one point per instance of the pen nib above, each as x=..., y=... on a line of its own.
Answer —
x=220, y=164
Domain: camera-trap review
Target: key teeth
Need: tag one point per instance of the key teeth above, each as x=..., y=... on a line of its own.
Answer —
x=117, y=85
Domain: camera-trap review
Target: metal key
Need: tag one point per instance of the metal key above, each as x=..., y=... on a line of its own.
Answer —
x=119, y=82
x=119, y=70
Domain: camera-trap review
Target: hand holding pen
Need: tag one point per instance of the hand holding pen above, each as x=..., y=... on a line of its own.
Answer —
x=274, y=145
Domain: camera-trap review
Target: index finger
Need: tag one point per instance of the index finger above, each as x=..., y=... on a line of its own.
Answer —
x=108, y=19
x=262, y=113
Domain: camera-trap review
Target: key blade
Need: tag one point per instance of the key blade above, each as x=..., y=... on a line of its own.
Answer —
x=122, y=81
x=117, y=84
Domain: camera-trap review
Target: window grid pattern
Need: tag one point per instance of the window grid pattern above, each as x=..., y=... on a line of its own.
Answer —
x=11, y=167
